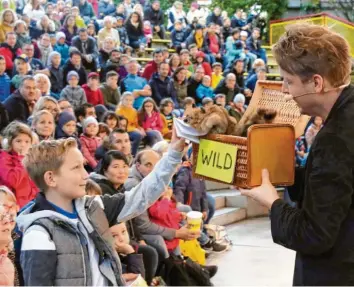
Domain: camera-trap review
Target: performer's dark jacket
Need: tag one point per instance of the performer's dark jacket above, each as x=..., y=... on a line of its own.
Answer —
x=321, y=228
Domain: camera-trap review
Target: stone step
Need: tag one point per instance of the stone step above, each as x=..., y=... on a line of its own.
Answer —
x=220, y=201
x=211, y=185
x=228, y=215
x=229, y=198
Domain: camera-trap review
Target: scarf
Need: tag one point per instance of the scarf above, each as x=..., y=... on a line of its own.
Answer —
x=199, y=41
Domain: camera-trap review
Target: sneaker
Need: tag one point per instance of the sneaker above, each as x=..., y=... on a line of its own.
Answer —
x=208, y=246
x=212, y=269
x=218, y=248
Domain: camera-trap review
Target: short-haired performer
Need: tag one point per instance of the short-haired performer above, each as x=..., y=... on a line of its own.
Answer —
x=315, y=63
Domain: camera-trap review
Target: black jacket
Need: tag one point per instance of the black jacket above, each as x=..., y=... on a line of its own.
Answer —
x=156, y=18
x=321, y=228
x=17, y=107
x=240, y=78
x=91, y=49
x=212, y=18
x=108, y=188
x=134, y=33
x=222, y=89
x=70, y=67
x=178, y=37
x=56, y=79
x=192, y=88
x=159, y=88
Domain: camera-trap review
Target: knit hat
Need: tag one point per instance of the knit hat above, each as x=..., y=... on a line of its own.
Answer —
x=72, y=74
x=244, y=33
x=64, y=118
x=200, y=54
x=93, y=75
x=60, y=35
x=87, y=121
x=195, y=5
x=239, y=98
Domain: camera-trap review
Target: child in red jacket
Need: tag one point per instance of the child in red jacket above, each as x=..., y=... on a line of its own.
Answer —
x=164, y=212
x=200, y=58
x=18, y=139
x=92, y=90
x=90, y=141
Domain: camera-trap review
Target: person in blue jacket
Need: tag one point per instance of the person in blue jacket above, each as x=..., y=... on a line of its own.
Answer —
x=261, y=74
x=5, y=81
x=204, y=90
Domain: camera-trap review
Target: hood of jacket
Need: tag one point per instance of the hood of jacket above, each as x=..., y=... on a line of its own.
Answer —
x=39, y=208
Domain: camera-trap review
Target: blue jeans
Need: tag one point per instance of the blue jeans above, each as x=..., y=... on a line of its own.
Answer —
x=135, y=139
x=211, y=208
x=136, y=44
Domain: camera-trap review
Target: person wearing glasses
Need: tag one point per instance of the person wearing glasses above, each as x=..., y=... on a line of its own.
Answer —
x=315, y=63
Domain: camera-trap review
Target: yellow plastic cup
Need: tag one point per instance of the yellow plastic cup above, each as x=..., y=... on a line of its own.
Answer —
x=194, y=220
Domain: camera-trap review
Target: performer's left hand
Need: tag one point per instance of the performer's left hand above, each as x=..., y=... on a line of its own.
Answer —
x=265, y=194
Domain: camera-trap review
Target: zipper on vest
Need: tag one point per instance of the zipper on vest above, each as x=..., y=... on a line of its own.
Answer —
x=83, y=258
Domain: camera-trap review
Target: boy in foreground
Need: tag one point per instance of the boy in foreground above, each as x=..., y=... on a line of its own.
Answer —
x=66, y=237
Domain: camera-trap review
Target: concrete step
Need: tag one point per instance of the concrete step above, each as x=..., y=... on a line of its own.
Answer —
x=210, y=185
x=229, y=198
x=228, y=215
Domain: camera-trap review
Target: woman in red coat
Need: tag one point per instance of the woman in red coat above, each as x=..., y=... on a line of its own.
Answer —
x=17, y=141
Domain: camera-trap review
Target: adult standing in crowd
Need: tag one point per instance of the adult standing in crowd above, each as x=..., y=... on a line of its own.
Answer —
x=320, y=227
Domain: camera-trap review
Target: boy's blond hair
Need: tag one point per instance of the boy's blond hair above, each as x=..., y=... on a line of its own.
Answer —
x=46, y=156
x=12, y=131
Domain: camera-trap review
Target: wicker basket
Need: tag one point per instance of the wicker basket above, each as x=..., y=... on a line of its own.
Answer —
x=269, y=95
x=268, y=146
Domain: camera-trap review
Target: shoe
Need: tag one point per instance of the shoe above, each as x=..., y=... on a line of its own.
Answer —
x=215, y=247
x=212, y=269
x=218, y=248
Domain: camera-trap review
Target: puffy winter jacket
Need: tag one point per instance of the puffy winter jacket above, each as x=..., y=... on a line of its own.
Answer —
x=154, y=122
x=164, y=212
x=93, y=97
x=89, y=147
x=75, y=95
x=64, y=52
x=14, y=176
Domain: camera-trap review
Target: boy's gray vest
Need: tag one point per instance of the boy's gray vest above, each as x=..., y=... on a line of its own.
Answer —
x=73, y=264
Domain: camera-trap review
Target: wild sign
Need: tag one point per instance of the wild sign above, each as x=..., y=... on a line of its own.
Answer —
x=216, y=160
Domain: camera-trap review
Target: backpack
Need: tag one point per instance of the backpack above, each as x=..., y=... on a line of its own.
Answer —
x=218, y=234
x=182, y=271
